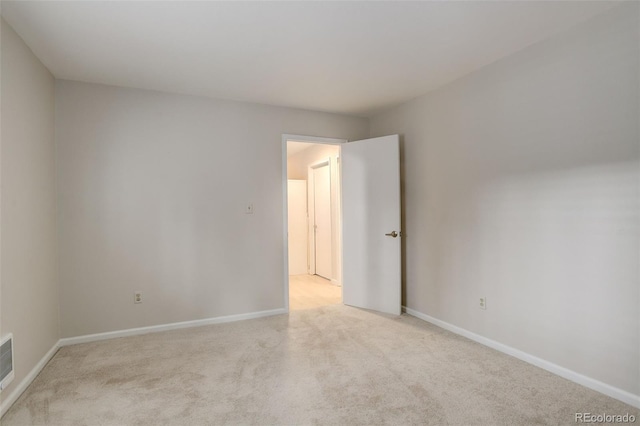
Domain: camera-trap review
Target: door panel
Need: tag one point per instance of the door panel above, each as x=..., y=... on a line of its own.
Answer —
x=322, y=203
x=371, y=265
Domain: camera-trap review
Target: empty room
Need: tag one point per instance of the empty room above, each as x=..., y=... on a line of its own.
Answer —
x=310, y=212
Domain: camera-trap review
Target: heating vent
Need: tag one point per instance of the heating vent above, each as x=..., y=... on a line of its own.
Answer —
x=6, y=361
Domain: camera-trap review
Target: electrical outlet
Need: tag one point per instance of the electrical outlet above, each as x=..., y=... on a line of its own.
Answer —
x=137, y=297
x=483, y=303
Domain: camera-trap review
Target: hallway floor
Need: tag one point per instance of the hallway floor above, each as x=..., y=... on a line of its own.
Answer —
x=312, y=291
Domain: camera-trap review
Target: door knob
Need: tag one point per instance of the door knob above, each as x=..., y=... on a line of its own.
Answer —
x=392, y=234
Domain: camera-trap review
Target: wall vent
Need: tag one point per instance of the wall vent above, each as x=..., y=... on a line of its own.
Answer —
x=6, y=361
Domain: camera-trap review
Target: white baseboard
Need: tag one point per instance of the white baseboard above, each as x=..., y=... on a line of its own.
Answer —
x=335, y=282
x=164, y=327
x=578, y=378
x=24, y=384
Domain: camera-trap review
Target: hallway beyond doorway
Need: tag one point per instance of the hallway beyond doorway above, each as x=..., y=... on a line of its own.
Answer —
x=312, y=291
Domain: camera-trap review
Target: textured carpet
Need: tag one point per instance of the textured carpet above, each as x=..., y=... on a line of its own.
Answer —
x=332, y=365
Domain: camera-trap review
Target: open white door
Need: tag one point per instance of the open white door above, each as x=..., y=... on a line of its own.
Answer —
x=371, y=267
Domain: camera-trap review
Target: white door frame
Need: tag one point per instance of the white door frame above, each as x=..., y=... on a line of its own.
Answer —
x=311, y=209
x=285, y=237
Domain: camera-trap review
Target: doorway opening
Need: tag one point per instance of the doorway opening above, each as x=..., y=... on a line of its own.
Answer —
x=367, y=258
x=311, y=174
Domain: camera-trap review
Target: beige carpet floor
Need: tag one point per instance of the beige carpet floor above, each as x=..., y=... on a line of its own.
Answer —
x=334, y=365
x=312, y=291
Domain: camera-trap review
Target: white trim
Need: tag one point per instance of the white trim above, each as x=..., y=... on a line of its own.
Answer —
x=336, y=223
x=165, y=327
x=285, y=220
x=24, y=384
x=311, y=213
x=311, y=139
x=596, y=385
x=285, y=224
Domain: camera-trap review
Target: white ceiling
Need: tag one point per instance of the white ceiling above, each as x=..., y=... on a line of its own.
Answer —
x=345, y=57
x=294, y=148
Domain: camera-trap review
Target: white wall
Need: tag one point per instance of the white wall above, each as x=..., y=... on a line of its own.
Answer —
x=29, y=305
x=298, y=164
x=298, y=245
x=1, y=328
x=152, y=190
x=521, y=184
